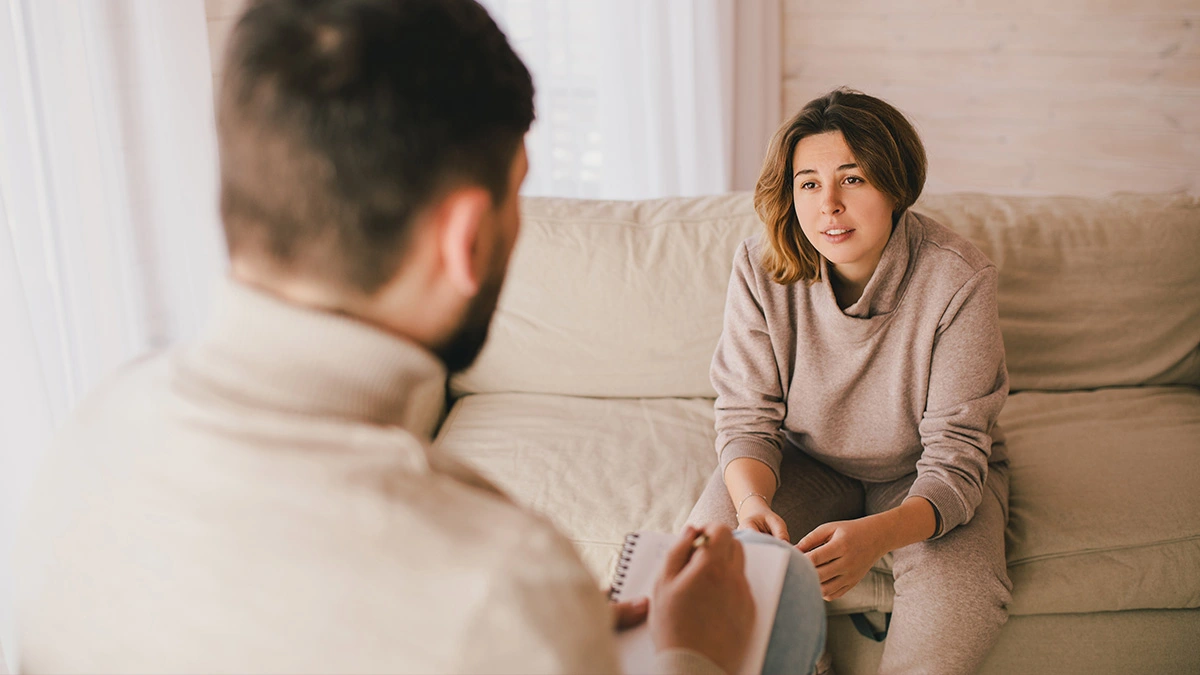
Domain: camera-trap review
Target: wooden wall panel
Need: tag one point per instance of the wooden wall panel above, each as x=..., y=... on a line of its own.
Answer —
x=1083, y=97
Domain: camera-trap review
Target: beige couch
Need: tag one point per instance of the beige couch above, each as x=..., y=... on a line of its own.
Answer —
x=592, y=404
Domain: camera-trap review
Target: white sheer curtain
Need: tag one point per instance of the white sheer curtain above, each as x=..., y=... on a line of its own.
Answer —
x=109, y=234
x=647, y=98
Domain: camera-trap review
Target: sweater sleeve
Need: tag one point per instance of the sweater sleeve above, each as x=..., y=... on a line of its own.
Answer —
x=750, y=404
x=543, y=613
x=968, y=384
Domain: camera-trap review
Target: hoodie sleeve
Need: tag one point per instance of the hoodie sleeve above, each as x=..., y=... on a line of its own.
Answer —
x=750, y=404
x=968, y=385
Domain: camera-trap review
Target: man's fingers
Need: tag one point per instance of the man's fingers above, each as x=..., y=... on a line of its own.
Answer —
x=739, y=557
x=631, y=613
x=679, y=553
x=716, y=553
x=719, y=546
x=719, y=537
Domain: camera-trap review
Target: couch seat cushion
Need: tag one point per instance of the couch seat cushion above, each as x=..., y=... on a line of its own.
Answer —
x=597, y=468
x=1104, y=512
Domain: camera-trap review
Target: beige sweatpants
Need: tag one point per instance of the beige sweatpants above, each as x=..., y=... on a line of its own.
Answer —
x=952, y=593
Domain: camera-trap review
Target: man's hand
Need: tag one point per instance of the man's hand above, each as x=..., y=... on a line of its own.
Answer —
x=702, y=601
x=629, y=614
x=757, y=515
x=844, y=551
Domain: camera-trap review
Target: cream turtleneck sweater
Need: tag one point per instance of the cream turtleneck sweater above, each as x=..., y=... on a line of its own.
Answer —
x=265, y=500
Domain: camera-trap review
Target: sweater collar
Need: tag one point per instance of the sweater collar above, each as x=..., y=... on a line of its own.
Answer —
x=267, y=352
x=887, y=284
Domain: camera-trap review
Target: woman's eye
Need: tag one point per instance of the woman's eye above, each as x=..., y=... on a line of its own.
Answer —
x=854, y=180
x=808, y=185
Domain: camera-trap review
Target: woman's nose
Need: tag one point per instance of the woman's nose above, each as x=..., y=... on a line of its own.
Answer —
x=831, y=204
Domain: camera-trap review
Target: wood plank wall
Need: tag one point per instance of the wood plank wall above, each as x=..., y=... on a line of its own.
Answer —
x=1079, y=97
x=1082, y=97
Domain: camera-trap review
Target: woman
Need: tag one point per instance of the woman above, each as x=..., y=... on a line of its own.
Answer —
x=859, y=376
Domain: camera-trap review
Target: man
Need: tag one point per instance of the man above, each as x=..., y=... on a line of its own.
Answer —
x=264, y=500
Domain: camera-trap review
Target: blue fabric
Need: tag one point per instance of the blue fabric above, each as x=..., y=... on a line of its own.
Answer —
x=798, y=637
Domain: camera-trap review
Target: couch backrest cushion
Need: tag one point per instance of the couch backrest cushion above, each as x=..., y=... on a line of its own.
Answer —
x=613, y=299
x=625, y=299
x=1093, y=292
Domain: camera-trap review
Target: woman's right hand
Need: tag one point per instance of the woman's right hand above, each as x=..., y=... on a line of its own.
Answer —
x=757, y=515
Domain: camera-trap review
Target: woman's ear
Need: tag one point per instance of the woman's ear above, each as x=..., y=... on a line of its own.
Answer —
x=460, y=220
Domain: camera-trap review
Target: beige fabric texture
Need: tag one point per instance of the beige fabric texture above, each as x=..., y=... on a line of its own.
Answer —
x=620, y=299
x=624, y=299
x=1145, y=641
x=1101, y=483
x=1093, y=292
x=597, y=468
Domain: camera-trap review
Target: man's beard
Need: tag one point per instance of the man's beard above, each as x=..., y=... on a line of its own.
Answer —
x=464, y=346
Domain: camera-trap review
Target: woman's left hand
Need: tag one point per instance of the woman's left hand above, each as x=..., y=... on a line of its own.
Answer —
x=844, y=551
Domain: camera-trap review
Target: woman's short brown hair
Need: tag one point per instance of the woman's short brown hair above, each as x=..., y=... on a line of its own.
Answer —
x=884, y=143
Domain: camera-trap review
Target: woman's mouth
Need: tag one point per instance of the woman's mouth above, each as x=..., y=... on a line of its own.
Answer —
x=837, y=235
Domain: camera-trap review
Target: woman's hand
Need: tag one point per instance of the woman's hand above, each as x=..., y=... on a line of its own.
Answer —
x=844, y=551
x=757, y=515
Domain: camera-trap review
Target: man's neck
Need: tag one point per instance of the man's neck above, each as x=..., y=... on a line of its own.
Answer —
x=392, y=310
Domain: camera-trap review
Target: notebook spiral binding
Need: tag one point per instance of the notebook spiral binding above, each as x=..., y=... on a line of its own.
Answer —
x=618, y=582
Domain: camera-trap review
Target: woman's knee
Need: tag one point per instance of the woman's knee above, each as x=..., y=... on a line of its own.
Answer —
x=801, y=583
x=798, y=636
x=980, y=585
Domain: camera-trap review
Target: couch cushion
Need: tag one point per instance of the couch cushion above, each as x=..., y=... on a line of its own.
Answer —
x=1093, y=292
x=625, y=299
x=1104, y=512
x=619, y=299
x=598, y=468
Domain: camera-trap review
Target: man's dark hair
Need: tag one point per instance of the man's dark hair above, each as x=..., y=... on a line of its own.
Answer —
x=340, y=120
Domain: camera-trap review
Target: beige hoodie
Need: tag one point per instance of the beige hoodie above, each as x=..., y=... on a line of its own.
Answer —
x=909, y=378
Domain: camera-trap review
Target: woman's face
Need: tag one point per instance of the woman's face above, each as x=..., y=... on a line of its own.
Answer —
x=846, y=218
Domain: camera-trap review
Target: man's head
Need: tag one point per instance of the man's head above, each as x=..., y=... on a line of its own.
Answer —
x=371, y=151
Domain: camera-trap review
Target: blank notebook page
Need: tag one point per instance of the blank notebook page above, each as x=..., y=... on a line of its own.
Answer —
x=641, y=562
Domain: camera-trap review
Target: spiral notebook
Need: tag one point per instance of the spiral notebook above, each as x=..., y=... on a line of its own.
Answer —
x=640, y=563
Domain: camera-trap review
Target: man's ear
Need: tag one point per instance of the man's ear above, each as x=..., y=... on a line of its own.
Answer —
x=460, y=220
